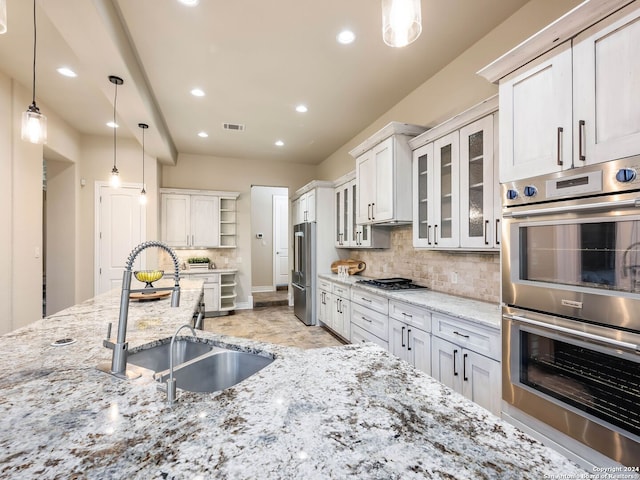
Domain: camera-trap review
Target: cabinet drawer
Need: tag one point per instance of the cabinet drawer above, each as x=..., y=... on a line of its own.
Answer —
x=324, y=284
x=340, y=290
x=360, y=335
x=210, y=278
x=485, y=341
x=411, y=315
x=372, y=321
x=370, y=300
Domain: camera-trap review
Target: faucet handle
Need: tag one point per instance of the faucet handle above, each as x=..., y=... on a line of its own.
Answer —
x=107, y=341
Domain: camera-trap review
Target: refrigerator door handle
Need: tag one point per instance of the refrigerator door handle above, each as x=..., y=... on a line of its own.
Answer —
x=297, y=286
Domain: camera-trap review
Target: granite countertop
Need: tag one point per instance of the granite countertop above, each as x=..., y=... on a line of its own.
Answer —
x=206, y=271
x=352, y=411
x=477, y=311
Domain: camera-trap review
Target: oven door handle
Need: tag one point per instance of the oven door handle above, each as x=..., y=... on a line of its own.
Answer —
x=635, y=202
x=577, y=333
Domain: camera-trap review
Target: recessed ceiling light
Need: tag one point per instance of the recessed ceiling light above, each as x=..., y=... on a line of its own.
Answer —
x=196, y=92
x=203, y=134
x=346, y=37
x=301, y=108
x=112, y=125
x=67, y=72
x=189, y=3
x=279, y=143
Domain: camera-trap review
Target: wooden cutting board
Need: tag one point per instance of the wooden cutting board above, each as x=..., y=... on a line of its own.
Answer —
x=142, y=297
x=354, y=266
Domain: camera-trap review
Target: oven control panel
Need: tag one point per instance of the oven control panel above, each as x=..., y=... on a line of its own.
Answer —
x=616, y=176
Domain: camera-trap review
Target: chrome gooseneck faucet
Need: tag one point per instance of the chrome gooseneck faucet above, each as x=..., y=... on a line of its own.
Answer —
x=171, y=381
x=120, y=347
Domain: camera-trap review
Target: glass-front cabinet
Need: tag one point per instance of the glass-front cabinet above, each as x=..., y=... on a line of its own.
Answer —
x=456, y=201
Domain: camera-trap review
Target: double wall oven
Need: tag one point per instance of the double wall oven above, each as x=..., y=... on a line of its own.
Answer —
x=571, y=295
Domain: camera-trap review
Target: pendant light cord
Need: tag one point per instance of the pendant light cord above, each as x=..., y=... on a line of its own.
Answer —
x=35, y=39
x=143, y=129
x=115, y=126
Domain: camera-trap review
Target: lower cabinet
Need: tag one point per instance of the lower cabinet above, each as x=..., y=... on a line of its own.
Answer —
x=334, y=307
x=360, y=335
x=219, y=292
x=456, y=362
x=409, y=334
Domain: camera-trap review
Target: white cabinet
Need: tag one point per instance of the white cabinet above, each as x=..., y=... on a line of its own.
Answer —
x=535, y=118
x=576, y=104
x=465, y=357
x=370, y=313
x=197, y=219
x=334, y=307
x=409, y=334
x=383, y=173
x=304, y=208
x=347, y=232
x=219, y=289
x=480, y=203
x=606, y=79
x=227, y=291
x=456, y=194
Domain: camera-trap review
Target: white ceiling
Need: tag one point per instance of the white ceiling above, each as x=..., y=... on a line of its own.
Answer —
x=255, y=59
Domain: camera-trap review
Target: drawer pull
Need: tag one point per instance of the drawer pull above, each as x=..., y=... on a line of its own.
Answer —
x=408, y=315
x=366, y=319
x=461, y=334
x=366, y=299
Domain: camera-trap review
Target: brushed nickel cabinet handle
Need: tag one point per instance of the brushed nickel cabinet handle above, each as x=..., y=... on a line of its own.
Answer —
x=559, y=154
x=435, y=234
x=486, y=230
x=428, y=234
x=581, y=154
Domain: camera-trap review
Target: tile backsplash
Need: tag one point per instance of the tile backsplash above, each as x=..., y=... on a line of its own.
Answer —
x=476, y=275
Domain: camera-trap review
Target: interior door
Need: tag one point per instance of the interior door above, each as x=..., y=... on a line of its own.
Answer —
x=280, y=240
x=120, y=226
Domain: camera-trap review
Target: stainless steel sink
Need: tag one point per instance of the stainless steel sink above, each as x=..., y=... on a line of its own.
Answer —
x=218, y=371
x=156, y=358
x=199, y=367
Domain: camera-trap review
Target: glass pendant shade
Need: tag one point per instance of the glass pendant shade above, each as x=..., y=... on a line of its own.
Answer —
x=3, y=16
x=115, y=178
x=401, y=22
x=34, y=126
x=143, y=197
x=143, y=192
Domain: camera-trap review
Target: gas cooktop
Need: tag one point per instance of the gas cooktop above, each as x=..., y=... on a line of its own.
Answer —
x=392, y=284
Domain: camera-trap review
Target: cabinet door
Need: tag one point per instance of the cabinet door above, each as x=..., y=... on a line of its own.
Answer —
x=176, y=220
x=476, y=185
x=337, y=322
x=344, y=328
x=325, y=305
x=606, y=83
x=398, y=339
x=383, y=205
x=310, y=198
x=535, y=118
x=446, y=191
x=423, y=196
x=419, y=349
x=205, y=221
x=481, y=380
x=366, y=181
x=211, y=297
x=339, y=219
x=446, y=366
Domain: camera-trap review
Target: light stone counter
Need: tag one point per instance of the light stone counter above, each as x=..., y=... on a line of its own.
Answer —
x=474, y=310
x=344, y=412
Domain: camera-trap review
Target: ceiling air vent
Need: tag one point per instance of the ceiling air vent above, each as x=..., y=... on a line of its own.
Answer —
x=236, y=127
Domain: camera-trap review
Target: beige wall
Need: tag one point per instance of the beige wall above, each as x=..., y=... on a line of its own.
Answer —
x=215, y=173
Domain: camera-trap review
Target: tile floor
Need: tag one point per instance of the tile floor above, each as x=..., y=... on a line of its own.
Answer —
x=274, y=325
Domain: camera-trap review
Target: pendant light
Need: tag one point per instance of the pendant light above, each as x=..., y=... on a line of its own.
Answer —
x=401, y=22
x=115, y=175
x=34, y=124
x=143, y=192
x=3, y=16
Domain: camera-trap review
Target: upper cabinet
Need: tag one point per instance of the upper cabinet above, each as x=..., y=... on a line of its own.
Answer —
x=198, y=218
x=575, y=101
x=348, y=234
x=383, y=172
x=304, y=208
x=456, y=193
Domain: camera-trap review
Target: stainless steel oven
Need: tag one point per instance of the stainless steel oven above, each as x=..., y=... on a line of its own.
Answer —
x=571, y=295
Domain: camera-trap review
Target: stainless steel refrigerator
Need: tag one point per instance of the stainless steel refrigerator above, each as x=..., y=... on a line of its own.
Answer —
x=303, y=276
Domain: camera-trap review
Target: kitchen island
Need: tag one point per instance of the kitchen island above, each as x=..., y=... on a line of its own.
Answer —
x=344, y=412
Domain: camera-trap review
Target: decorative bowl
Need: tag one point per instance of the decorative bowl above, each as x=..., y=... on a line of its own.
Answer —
x=148, y=276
